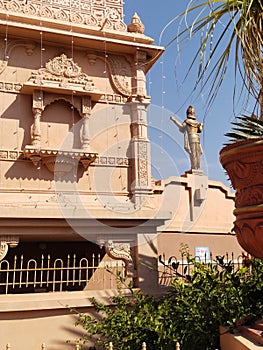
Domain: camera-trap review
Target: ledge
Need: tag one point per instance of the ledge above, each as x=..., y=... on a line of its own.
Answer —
x=237, y=341
x=58, y=161
x=56, y=300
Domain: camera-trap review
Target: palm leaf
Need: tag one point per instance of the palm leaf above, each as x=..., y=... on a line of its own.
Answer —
x=242, y=33
x=244, y=128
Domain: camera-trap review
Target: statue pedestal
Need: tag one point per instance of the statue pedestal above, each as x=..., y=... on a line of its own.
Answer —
x=198, y=172
x=197, y=183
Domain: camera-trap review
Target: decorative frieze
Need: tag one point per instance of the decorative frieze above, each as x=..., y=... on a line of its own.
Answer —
x=143, y=163
x=85, y=12
x=6, y=86
x=112, y=98
x=13, y=155
x=16, y=88
x=112, y=161
x=10, y=155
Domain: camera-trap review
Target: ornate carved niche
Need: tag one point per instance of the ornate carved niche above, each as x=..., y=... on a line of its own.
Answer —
x=61, y=79
x=121, y=73
x=120, y=70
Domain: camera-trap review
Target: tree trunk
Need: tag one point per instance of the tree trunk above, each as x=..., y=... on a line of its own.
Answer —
x=261, y=105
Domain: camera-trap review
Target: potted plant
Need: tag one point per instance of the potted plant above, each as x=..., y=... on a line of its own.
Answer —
x=243, y=161
x=237, y=25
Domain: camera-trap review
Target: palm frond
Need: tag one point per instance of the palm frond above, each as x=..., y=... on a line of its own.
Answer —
x=244, y=128
x=240, y=23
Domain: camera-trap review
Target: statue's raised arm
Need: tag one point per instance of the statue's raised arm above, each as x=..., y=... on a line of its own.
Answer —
x=178, y=124
x=191, y=129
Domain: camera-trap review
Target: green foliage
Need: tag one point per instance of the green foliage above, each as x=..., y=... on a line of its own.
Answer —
x=133, y=318
x=190, y=312
x=214, y=295
x=245, y=128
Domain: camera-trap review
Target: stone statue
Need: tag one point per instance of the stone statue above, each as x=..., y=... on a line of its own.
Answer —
x=191, y=128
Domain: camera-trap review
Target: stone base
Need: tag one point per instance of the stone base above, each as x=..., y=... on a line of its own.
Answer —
x=195, y=172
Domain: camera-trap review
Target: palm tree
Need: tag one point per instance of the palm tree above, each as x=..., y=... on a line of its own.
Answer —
x=240, y=24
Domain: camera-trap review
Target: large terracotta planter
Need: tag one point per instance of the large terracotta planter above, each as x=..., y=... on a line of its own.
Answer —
x=243, y=162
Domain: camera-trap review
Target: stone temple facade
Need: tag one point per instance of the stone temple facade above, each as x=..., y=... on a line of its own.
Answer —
x=77, y=193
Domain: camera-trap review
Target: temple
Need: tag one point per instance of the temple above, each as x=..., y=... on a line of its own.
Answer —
x=77, y=192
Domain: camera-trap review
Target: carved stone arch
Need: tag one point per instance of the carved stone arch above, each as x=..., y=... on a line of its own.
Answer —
x=76, y=102
x=28, y=45
x=61, y=123
x=56, y=160
x=61, y=79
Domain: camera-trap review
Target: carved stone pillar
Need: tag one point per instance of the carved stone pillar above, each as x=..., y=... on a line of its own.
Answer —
x=141, y=157
x=36, y=128
x=5, y=243
x=86, y=114
x=85, y=133
x=141, y=58
x=37, y=108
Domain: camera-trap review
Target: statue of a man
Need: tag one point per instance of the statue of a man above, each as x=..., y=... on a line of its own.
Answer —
x=191, y=128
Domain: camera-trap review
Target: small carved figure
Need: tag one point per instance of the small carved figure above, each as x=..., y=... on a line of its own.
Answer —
x=191, y=128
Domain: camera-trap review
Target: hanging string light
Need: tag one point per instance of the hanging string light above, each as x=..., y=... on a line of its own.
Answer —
x=42, y=49
x=160, y=137
x=106, y=90
x=119, y=154
x=149, y=83
x=72, y=100
x=41, y=35
x=6, y=57
x=163, y=100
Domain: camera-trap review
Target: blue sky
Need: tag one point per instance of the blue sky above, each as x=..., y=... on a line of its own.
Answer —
x=169, y=92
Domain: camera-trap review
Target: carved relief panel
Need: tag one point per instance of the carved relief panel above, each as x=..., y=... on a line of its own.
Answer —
x=60, y=79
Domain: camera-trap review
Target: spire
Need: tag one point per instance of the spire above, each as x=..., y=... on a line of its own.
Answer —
x=136, y=25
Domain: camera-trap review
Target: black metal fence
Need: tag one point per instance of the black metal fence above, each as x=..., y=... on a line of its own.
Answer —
x=182, y=266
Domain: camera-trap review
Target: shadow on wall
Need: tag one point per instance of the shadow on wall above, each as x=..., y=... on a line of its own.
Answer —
x=60, y=128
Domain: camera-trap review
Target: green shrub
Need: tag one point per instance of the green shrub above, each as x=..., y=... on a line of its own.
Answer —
x=190, y=312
